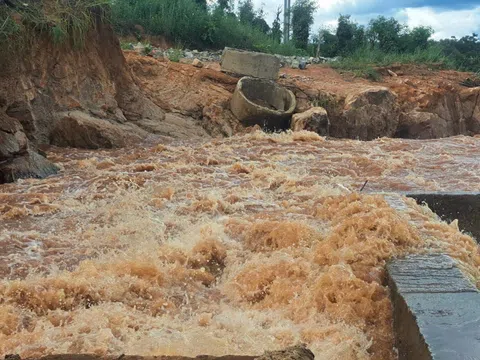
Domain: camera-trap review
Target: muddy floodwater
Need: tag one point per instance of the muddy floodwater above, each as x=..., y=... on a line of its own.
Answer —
x=230, y=246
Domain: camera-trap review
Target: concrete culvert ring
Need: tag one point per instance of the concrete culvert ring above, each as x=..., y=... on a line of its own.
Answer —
x=263, y=102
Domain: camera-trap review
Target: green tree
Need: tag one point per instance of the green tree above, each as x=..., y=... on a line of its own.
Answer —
x=226, y=6
x=359, y=37
x=327, y=44
x=246, y=12
x=350, y=35
x=202, y=3
x=345, y=31
x=418, y=38
x=302, y=20
x=260, y=23
x=386, y=33
x=276, y=27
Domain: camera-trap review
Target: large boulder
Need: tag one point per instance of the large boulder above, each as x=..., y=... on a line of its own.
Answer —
x=17, y=160
x=442, y=114
x=422, y=125
x=27, y=165
x=314, y=119
x=470, y=100
x=81, y=130
x=368, y=114
x=13, y=140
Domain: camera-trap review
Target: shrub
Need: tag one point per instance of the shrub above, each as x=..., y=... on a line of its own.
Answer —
x=185, y=22
x=63, y=21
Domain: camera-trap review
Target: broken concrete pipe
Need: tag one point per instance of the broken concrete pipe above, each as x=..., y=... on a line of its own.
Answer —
x=263, y=102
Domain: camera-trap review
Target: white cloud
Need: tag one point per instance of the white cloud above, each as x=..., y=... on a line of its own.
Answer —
x=445, y=23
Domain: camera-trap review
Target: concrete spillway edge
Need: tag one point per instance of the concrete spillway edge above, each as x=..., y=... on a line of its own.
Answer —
x=436, y=309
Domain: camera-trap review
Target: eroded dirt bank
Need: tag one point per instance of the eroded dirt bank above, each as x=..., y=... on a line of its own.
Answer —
x=231, y=246
x=418, y=103
x=86, y=98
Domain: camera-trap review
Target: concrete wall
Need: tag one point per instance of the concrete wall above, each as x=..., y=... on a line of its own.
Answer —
x=247, y=63
x=436, y=310
x=450, y=206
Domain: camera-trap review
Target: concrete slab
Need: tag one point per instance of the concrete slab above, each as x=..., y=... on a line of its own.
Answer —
x=436, y=309
x=450, y=206
x=248, y=63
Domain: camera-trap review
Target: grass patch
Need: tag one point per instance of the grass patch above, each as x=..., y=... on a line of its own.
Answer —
x=175, y=54
x=62, y=21
x=363, y=62
x=184, y=22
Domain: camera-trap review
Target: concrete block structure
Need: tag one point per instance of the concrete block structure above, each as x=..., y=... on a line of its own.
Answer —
x=248, y=63
x=436, y=309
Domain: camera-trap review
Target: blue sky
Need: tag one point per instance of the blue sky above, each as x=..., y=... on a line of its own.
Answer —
x=446, y=17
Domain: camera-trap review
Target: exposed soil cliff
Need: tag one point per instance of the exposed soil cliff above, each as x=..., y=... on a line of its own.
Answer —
x=418, y=103
x=69, y=97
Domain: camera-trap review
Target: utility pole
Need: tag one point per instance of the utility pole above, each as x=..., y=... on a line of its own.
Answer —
x=286, y=21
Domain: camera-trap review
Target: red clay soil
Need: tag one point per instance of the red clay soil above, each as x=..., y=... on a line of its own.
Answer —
x=446, y=108
x=413, y=84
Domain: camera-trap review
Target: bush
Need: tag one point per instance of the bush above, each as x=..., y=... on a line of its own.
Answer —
x=187, y=23
x=63, y=21
x=363, y=61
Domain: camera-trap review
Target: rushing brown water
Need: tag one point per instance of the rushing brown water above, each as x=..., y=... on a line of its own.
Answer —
x=228, y=247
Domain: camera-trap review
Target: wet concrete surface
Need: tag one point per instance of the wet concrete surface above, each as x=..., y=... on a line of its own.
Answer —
x=463, y=206
x=436, y=309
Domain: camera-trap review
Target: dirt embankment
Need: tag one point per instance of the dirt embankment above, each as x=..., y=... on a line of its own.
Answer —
x=88, y=99
x=418, y=103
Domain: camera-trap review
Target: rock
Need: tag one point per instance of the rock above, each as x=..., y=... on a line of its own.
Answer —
x=391, y=73
x=295, y=64
x=299, y=352
x=189, y=54
x=22, y=111
x=13, y=140
x=139, y=48
x=368, y=114
x=314, y=119
x=175, y=126
x=421, y=125
x=470, y=100
x=197, y=63
x=28, y=165
x=77, y=129
x=188, y=61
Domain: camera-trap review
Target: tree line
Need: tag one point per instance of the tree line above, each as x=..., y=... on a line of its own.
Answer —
x=195, y=23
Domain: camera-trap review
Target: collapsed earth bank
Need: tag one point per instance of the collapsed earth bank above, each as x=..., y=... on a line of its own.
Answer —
x=56, y=94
